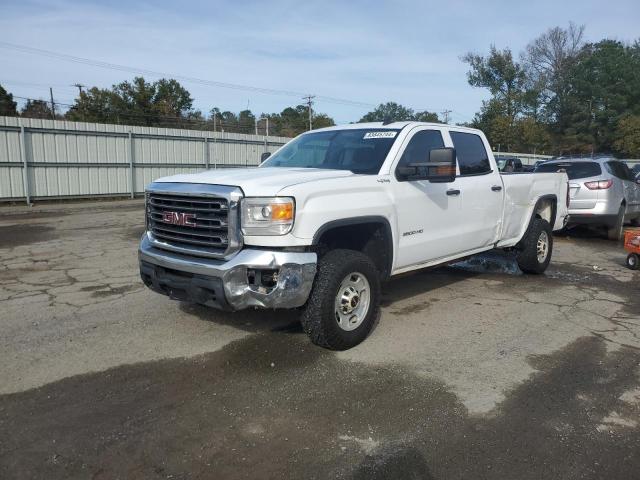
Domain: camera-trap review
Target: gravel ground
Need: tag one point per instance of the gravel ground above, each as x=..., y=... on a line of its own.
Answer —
x=474, y=371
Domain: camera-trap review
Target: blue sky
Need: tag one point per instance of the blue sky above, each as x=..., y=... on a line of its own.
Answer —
x=368, y=52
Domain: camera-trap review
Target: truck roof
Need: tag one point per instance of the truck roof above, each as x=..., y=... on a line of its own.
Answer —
x=394, y=125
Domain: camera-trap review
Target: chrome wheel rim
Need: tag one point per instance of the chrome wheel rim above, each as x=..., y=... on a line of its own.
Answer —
x=542, y=248
x=352, y=301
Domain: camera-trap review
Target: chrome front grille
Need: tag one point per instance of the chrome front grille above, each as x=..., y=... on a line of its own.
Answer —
x=192, y=218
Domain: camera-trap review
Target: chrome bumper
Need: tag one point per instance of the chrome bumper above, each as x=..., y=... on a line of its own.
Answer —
x=296, y=271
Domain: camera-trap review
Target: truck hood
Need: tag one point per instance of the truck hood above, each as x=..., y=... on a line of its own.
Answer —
x=258, y=182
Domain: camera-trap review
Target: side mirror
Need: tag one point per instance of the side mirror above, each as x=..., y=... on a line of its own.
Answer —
x=264, y=156
x=441, y=167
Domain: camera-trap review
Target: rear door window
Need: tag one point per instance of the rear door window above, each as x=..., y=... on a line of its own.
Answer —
x=472, y=156
x=620, y=170
x=575, y=170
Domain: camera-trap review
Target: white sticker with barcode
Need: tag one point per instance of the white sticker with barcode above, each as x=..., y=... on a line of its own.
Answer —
x=379, y=135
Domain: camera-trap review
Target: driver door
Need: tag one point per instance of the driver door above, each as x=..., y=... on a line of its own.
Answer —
x=426, y=212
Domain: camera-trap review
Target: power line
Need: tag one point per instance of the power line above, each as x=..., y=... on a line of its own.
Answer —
x=124, y=68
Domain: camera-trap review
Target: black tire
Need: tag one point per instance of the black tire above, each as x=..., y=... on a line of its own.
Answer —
x=633, y=261
x=319, y=314
x=527, y=256
x=615, y=232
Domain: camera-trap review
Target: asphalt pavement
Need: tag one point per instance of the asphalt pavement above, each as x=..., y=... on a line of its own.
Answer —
x=473, y=371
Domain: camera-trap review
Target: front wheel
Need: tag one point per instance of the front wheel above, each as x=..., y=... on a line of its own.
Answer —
x=344, y=302
x=534, y=251
x=633, y=260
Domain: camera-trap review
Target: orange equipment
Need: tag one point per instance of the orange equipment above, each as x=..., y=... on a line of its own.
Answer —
x=632, y=245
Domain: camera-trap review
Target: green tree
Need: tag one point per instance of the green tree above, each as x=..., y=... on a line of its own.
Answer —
x=426, y=116
x=627, y=141
x=533, y=136
x=94, y=105
x=7, y=106
x=502, y=76
x=162, y=103
x=36, y=109
x=394, y=112
x=604, y=88
x=246, y=122
x=388, y=112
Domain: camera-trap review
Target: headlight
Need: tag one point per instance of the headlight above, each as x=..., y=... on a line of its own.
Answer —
x=267, y=216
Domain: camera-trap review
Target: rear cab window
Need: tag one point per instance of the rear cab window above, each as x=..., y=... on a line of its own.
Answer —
x=574, y=170
x=472, y=156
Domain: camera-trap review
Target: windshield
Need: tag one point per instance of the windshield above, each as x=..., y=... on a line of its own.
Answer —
x=574, y=169
x=361, y=151
x=501, y=163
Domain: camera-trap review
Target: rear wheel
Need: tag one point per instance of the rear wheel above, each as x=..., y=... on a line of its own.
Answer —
x=615, y=232
x=633, y=261
x=534, y=251
x=344, y=302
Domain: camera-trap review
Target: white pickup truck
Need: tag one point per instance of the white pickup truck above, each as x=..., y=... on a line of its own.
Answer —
x=335, y=212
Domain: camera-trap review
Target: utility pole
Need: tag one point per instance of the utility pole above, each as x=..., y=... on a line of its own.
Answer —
x=214, y=121
x=266, y=126
x=445, y=114
x=309, y=99
x=256, y=122
x=53, y=105
x=79, y=86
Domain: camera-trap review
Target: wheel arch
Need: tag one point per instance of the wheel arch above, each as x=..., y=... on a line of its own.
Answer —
x=546, y=208
x=370, y=234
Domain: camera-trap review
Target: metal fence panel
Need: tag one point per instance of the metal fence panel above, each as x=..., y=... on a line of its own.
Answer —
x=66, y=159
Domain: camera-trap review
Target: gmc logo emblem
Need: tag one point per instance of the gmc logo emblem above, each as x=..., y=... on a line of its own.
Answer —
x=179, y=218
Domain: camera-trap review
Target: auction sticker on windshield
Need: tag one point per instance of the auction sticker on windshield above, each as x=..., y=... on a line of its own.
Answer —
x=379, y=135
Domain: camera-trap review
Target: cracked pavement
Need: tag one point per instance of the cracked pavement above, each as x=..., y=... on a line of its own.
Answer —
x=473, y=371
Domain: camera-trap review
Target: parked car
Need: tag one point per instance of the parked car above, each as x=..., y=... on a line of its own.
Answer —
x=635, y=169
x=603, y=192
x=509, y=164
x=329, y=216
x=537, y=164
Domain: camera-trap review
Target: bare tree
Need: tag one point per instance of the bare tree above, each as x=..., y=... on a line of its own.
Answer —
x=549, y=59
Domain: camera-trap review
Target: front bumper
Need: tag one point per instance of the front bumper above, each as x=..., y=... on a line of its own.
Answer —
x=225, y=284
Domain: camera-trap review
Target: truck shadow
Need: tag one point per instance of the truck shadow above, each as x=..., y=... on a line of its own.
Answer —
x=395, y=290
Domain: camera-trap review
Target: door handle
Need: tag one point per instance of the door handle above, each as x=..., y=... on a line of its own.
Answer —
x=453, y=192
x=496, y=188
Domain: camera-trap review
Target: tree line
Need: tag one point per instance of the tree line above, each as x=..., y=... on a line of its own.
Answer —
x=163, y=103
x=166, y=103
x=561, y=96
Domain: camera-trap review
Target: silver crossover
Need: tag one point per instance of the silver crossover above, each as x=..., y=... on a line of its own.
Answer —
x=603, y=191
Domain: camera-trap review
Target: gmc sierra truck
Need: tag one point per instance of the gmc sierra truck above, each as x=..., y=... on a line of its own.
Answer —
x=322, y=222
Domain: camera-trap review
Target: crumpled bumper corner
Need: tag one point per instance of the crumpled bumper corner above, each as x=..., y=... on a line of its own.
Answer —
x=291, y=290
x=192, y=278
